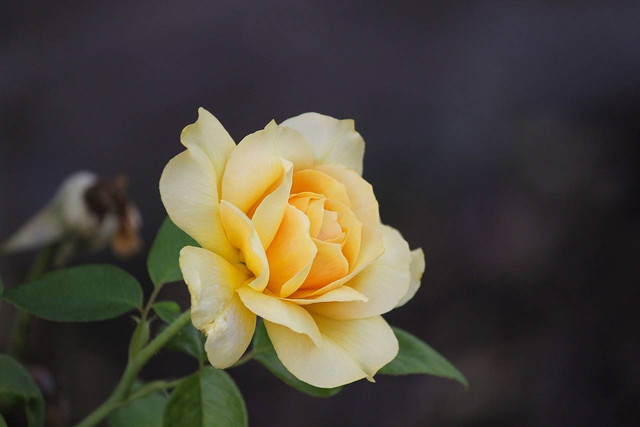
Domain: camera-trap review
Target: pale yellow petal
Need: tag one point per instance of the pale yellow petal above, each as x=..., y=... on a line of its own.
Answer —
x=275, y=310
x=343, y=293
x=360, y=192
x=230, y=334
x=269, y=213
x=242, y=235
x=384, y=282
x=212, y=138
x=190, y=196
x=212, y=282
x=332, y=140
x=348, y=221
x=350, y=350
x=314, y=181
x=255, y=163
x=417, y=270
x=291, y=249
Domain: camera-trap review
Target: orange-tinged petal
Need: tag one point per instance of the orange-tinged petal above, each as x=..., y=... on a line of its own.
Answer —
x=384, y=282
x=332, y=140
x=190, y=195
x=291, y=249
x=242, y=235
x=282, y=312
x=268, y=215
x=328, y=265
x=255, y=163
x=350, y=350
x=363, y=201
x=371, y=248
x=348, y=221
x=230, y=334
x=321, y=183
x=330, y=228
x=417, y=269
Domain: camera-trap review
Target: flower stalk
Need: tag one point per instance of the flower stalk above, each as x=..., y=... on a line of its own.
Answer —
x=120, y=394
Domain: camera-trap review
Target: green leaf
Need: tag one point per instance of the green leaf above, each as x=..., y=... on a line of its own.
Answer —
x=168, y=311
x=264, y=353
x=189, y=340
x=3, y=423
x=79, y=294
x=16, y=381
x=162, y=262
x=146, y=411
x=207, y=398
x=416, y=357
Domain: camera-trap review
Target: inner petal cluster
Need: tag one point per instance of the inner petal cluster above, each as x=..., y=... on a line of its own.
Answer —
x=318, y=240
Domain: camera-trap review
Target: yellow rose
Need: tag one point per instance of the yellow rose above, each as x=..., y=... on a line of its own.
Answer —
x=290, y=232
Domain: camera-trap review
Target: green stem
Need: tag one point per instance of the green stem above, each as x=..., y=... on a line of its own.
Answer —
x=149, y=388
x=135, y=365
x=20, y=329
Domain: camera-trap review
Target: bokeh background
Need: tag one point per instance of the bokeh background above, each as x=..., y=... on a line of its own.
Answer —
x=502, y=137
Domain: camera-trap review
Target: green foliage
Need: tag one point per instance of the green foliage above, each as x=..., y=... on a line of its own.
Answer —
x=146, y=411
x=79, y=294
x=209, y=398
x=264, y=353
x=3, y=423
x=139, y=338
x=162, y=262
x=16, y=381
x=416, y=357
x=189, y=340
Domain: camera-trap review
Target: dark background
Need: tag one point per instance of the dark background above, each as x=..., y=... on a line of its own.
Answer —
x=502, y=137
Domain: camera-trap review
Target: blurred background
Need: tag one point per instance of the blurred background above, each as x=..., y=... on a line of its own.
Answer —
x=502, y=137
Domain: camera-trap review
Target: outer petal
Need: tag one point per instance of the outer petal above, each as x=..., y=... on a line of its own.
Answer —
x=270, y=211
x=332, y=140
x=417, y=270
x=363, y=201
x=212, y=282
x=212, y=138
x=190, y=196
x=230, y=334
x=275, y=310
x=384, y=282
x=255, y=163
x=351, y=350
x=242, y=235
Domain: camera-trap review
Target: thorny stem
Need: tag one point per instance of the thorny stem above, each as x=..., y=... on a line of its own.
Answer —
x=121, y=393
x=22, y=321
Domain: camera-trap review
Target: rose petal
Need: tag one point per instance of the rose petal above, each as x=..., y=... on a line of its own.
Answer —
x=255, y=163
x=329, y=265
x=275, y=310
x=320, y=183
x=417, y=270
x=343, y=293
x=332, y=140
x=363, y=202
x=291, y=250
x=242, y=235
x=230, y=334
x=212, y=282
x=350, y=350
x=269, y=213
x=384, y=282
x=212, y=138
x=190, y=195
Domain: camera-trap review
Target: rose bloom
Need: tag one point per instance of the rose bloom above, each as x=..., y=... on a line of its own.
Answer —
x=289, y=231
